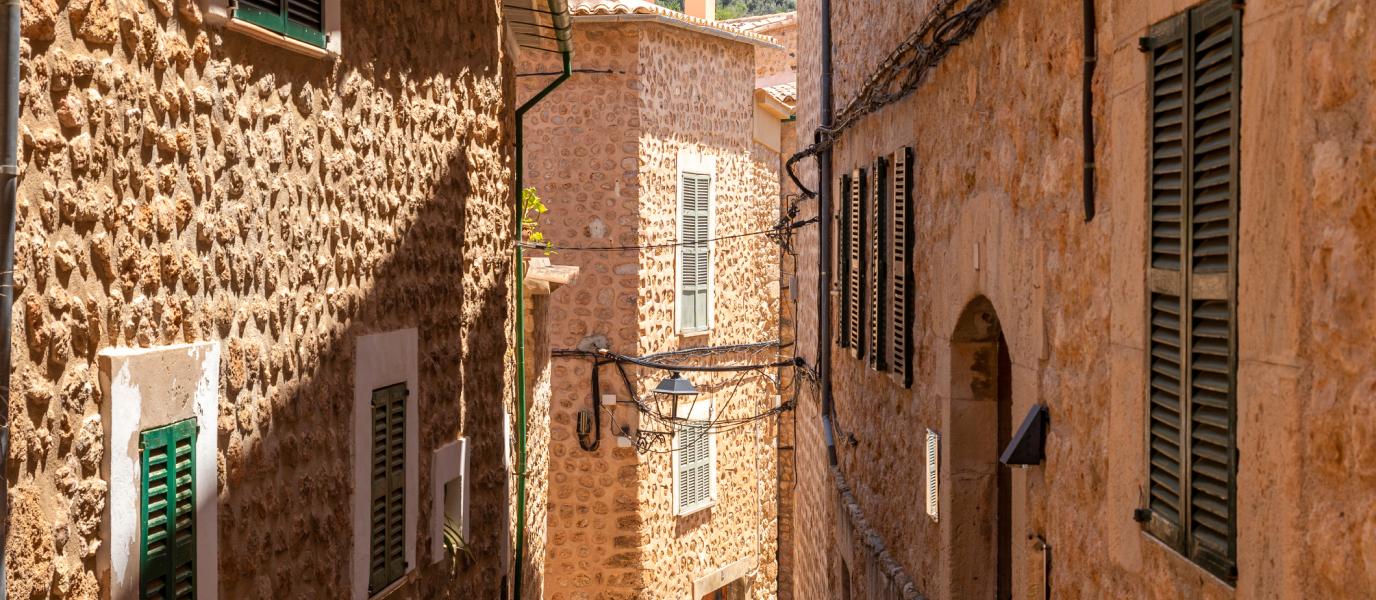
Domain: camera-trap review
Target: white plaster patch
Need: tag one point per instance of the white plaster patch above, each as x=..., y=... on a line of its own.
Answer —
x=148, y=388
x=381, y=360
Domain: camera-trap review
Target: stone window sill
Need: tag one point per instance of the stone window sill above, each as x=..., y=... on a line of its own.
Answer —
x=693, y=334
x=698, y=509
x=276, y=39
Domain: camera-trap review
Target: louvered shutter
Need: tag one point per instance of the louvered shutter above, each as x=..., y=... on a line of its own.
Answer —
x=879, y=266
x=694, y=268
x=303, y=20
x=1166, y=197
x=858, y=188
x=1193, y=280
x=843, y=261
x=1216, y=49
x=694, y=466
x=167, y=565
x=387, y=544
x=902, y=252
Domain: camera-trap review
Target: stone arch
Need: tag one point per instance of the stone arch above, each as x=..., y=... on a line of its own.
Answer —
x=976, y=491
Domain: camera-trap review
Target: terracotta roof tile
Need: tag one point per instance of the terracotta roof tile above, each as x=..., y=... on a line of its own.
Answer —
x=763, y=23
x=786, y=93
x=582, y=8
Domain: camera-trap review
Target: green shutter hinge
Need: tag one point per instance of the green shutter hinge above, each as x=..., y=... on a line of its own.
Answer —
x=1144, y=44
x=1141, y=515
x=1232, y=573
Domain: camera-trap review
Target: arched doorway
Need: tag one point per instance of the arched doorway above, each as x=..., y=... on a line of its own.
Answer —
x=977, y=528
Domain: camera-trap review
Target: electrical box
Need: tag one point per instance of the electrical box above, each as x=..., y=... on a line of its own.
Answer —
x=608, y=399
x=623, y=441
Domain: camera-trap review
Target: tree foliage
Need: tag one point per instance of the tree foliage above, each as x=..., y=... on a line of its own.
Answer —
x=735, y=9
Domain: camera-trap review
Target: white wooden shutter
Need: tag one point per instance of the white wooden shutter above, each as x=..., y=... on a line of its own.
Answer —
x=694, y=269
x=694, y=466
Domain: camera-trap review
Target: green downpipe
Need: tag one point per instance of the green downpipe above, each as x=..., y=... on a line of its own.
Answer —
x=520, y=336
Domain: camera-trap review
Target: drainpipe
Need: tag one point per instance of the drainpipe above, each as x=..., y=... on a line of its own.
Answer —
x=1087, y=108
x=9, y=174
x=520, y=337
x=824, y=243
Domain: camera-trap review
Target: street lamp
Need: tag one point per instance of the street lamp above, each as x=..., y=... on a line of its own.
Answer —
x=674, y=386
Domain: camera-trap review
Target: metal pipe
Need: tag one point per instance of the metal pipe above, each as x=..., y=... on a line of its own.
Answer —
x=9, y=182
x=518, y=289
x=824, y=220
x=1087, y=108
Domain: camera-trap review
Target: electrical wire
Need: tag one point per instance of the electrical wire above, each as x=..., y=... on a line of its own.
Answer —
x=766, y=232
x=901, y=72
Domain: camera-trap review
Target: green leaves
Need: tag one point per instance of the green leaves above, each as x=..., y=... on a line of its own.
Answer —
x=453, y=539
x=531, y=202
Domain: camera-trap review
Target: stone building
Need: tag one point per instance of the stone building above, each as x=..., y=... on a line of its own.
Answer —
x=650, y=143
x=262, y=259
x=1201, y=345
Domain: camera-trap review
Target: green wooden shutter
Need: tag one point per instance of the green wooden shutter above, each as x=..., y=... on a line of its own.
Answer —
x=843, y=261
x=302, y=20
x=857, y=262
x=694, y=274
x=1215, y=58
x=387, y=544
x=1166, y=195
x=902, y=343
x=879, y=266
x=167, y=561
x=694, y=466
x=1195, y=89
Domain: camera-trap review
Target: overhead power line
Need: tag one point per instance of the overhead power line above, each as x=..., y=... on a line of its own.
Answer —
x=769, y=232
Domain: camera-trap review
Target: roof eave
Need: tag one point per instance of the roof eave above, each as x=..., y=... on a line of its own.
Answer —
x=672, y=22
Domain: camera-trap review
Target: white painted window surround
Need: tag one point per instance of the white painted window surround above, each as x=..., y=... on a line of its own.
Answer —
x=219, y=12
x=379, y=361
x=148, y=388
x=693, y=162
x=449, y=478
x=697, y=411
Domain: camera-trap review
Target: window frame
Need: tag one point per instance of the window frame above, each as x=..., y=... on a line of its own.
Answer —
x=382, y=360
x=693, y=165
x=282, y=23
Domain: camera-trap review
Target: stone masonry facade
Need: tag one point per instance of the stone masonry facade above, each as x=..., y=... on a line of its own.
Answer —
x=996, y=133
x=601, y=153
x=183, y=183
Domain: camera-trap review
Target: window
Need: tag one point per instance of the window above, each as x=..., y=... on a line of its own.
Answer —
x=879, y=265
x=167, y=549
x=695, y=277
x=449, y=480
x=387, y=546
x=694, y=461
x=1191, y=312
x=853, y=259
x=302, y=20
x=901, y=244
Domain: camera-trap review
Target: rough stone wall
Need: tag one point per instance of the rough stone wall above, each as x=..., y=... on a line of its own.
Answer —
x=183, y=183
x=581, y=148
x=996, y=133
x=770, y=62
x=706, y=104
x=602, y=152
x=537, y=341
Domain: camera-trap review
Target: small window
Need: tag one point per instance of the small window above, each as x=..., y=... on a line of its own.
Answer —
x=167, y=548
x=387, y=542
x=694, y=277
x=695, y=461
x=302, y=20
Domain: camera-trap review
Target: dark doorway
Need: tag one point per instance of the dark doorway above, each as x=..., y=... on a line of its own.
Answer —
x=1005, y=518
